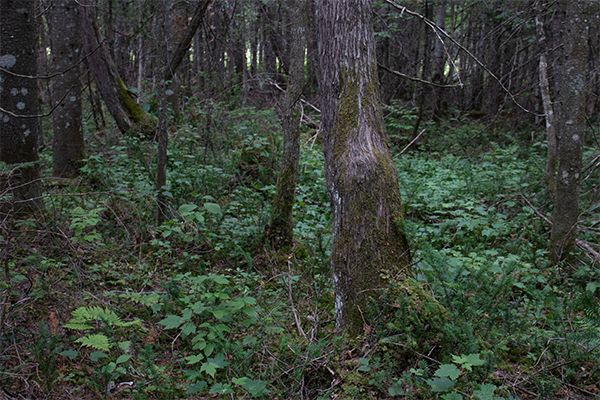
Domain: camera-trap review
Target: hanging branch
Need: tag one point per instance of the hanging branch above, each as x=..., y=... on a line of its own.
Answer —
x=415, y=79
x=436, y=29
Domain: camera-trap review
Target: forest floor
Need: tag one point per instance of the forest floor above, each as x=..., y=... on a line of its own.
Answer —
x=101, y=302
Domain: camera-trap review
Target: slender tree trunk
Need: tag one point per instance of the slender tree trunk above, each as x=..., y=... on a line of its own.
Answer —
x=128, y=115
x=279, y=232
x=438, y=62
x=368, y=241
x=422, y=90
x=571, y=85
x=168, y=73
x=19, y=128
x=547, y=104
x=68, y=145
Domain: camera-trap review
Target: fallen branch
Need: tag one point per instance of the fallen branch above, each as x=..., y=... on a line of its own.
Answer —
x=293, y=307
x=411, y=142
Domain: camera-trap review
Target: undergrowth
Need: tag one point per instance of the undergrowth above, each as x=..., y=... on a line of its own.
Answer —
x=102, y=302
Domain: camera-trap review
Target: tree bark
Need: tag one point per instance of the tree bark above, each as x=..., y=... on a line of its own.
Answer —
x=438, y=62
x=368, y=240
x=280, y=230
x=544, y=85
x=571, y=89
x=127, y=113
x=19, y=126
x=68, y=144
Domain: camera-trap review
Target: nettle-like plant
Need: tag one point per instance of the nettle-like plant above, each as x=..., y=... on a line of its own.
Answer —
x=449, y=381
x=209, y=314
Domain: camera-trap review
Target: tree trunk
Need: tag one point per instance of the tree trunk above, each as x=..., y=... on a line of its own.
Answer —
x=127, y=113
x=368, y=241
x=19, y=126
x=571, y=89
x=438, y=62
x=279, y=232
x=544, y=85
x=68, y=145
x=168, y=73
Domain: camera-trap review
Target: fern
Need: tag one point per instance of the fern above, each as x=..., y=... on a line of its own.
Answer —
x=82, y=318
x=96, y=342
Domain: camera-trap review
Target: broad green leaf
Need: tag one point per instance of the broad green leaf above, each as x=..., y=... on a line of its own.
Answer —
x=255, y=388
x=221, y=388
x=171, y=321
x=97, y=355
x=194, y=359
x=123, y=358
x=397, y=389
x=209, y=368
x=213, y=208
x=363, y=365
x=186, y=209
x=125, y=345
x=196, y=388
x=448, y=371
x=468, y=361
x=485, y=392
x=452, y=396
x=439, y=385
x=220, y=279
x=70, y=354
x=188, y=328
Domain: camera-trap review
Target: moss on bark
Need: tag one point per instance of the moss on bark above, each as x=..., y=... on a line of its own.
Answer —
x=145, y=122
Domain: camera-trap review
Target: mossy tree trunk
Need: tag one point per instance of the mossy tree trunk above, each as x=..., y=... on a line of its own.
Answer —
x=369, y=246
x=571, y=84
x=279, y=232
x=127, y=113
x=65, y=30
x=19, y=108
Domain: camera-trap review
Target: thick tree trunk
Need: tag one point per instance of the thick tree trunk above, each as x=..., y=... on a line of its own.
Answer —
x=571, y=85
x=127, y=113
x=279, y=232
x=68, y=146
x=19, y=128
x=368, y=241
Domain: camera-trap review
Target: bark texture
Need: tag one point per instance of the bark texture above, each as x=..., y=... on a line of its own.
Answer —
x=281, y=227
x=19, y=128
x=65, y=37
x=571, y=88
x=127, y=113
x=369, y=245
x=544, y=85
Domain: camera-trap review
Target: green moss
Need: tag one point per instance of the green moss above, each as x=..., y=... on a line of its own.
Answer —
x=145, y=122
x=370, y=246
